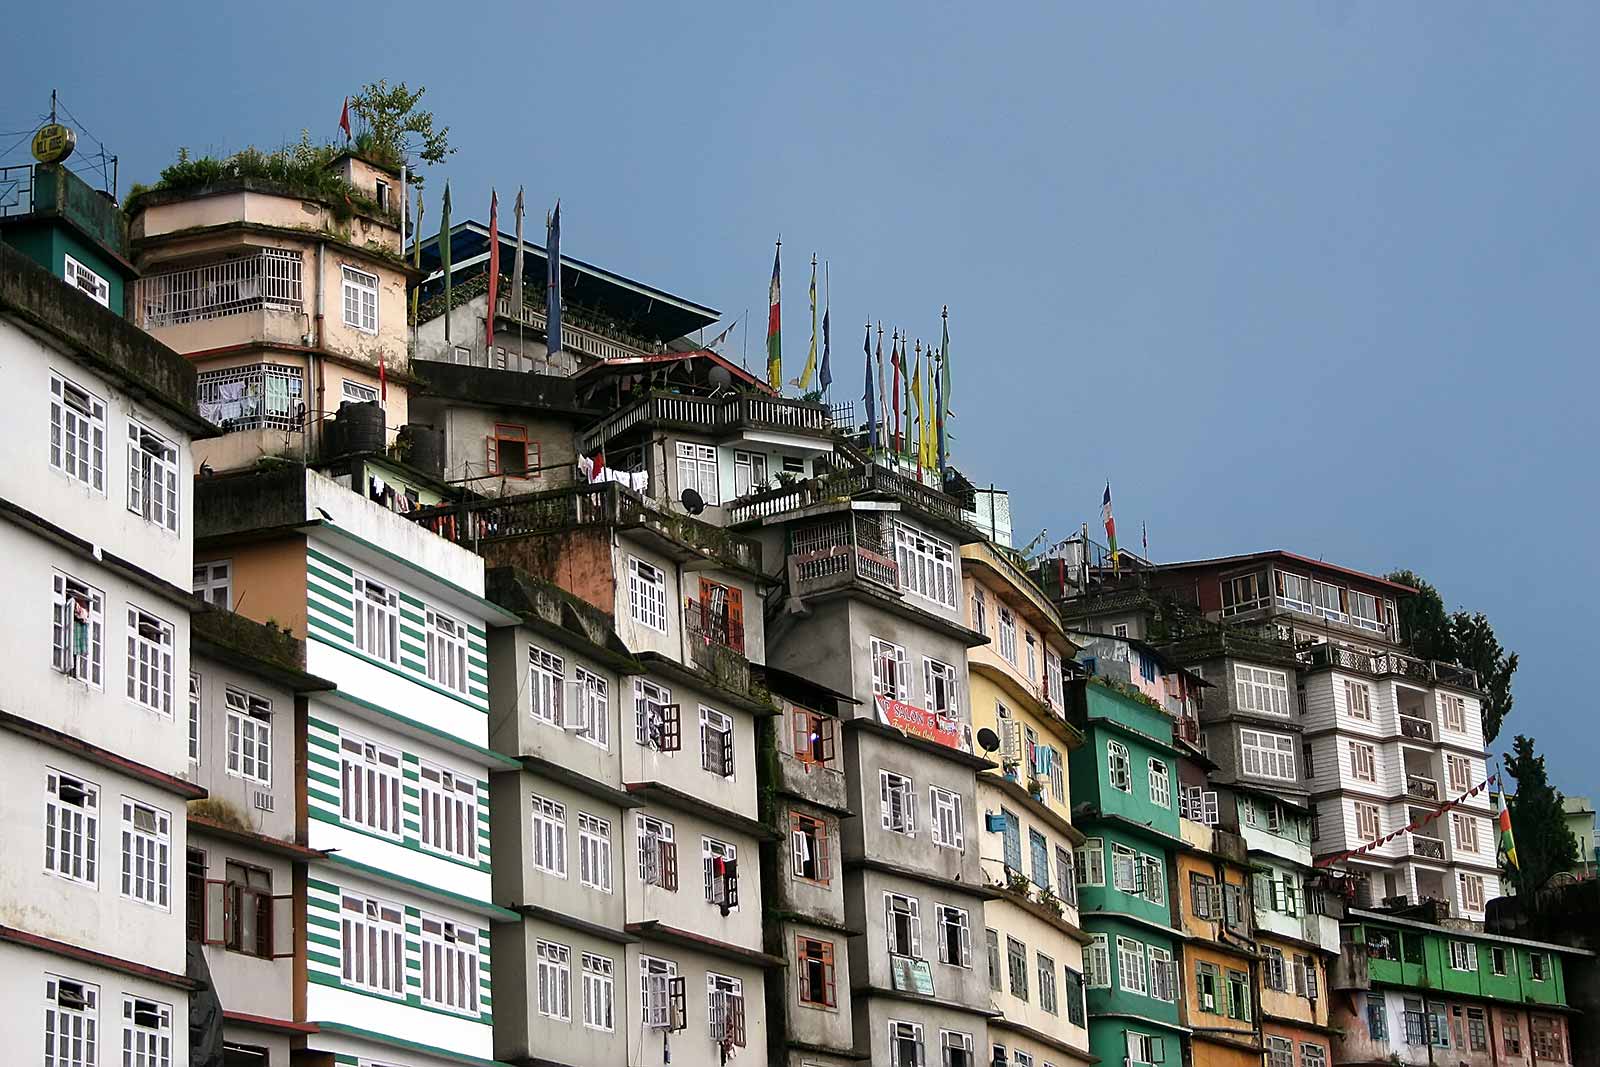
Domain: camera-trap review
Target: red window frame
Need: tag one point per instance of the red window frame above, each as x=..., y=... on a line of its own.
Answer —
x=808, y=949
x=505, y=431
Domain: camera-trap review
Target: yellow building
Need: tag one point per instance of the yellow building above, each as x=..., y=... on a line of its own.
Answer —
x=1026, y=838
x=1212, y=899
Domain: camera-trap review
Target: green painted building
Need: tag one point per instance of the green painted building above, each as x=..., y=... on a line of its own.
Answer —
x=1124, y=796
x=75, y=232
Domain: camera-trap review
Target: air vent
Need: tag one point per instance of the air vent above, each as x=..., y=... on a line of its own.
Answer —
x=262, y=800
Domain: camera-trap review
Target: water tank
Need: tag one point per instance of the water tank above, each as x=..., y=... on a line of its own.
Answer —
x=359, y=427
x=427, y=448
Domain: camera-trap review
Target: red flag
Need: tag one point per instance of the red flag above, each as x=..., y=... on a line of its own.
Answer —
x=344, y=119
x=894, y=360
x=494, y=271
x=383, y=378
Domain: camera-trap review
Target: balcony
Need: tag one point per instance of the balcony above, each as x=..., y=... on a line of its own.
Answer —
x=50, y=189
x=861, y=480
x=1188, y=728
x=1428, y=848
x=711, y=415
x=575, y=338
x=1417, y=729
x=1421, y=787
x=1387, y=664
x=840, y=551
x=716, y=644
x=265, y=280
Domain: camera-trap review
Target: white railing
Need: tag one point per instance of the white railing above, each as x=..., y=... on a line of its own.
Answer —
x=255, y=397
x=267, y=279
x=573, y=338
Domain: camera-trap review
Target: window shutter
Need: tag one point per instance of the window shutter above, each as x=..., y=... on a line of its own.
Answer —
x=676, y=1004
x=727, y=750
x=217, y=920
x=916, y=929
x=671, y=727
x=669, y=865
x=966, y=944
x=736, y=620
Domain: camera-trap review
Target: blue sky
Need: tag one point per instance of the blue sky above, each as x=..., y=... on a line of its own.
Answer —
x=1315, y=276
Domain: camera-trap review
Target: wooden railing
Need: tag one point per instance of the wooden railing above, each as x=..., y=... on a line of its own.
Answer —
x=711, y=413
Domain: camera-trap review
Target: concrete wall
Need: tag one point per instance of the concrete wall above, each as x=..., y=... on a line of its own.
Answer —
x=693, y=1044
x=231, y=795
x=515, y=730
x=466, y=430
x=268, y=580
x=687, y=908
x=684, y=770
x=866, y=754
x=865, y=908
x=873, y=1016
x=518, y=881
x=246, y=983
x=520, y=1031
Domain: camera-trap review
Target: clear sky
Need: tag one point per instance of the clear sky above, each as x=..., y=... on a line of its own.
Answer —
x=1316, y=276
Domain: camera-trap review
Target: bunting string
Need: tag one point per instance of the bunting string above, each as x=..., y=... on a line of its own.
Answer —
x=1412, y=827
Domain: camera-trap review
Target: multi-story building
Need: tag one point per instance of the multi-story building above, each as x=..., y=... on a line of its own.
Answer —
x=1417, y=992
x=395, y=909
x=246, y=857
x=1031, y=930
x=1211, y=899
x=98, y=512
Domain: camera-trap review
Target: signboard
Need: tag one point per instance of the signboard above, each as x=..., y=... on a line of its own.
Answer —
x=920, y=722
x=911, y=975
x=53, y=143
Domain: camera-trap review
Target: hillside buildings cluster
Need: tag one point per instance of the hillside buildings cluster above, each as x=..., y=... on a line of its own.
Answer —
x=388, y=698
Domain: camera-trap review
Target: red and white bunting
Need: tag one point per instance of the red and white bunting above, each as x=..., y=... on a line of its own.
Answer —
x=1337, y=857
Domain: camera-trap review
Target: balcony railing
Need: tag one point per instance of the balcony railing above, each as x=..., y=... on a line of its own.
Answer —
x=257, y=396
x=838, y=551
x=265, y=280
x=716, y=645
x=713, y=624
x=574, y=338
x=863, y=480
x=1382, y=664
x=714, y=414
x=1189, y=729
x=1419, y=786
x=1430, y=848
x=1420, y=729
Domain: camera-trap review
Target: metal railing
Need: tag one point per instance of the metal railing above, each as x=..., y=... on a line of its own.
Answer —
x=258, y=396
x=573, y=337
x=712, y=413
x=1421, y=729
x=1419, y=786
x=1430, y=848
x=268, y=279
x=869, y=479
x=1380, y=664
x=16, y=190
x=839, y=550
x=708, y=623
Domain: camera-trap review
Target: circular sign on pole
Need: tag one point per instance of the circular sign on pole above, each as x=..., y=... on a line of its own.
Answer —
x=54, y=142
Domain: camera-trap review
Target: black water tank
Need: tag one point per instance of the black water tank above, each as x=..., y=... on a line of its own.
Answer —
x=360, y=427
x=427, y=448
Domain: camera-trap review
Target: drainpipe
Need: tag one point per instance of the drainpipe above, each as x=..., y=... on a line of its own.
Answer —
x=317, y=367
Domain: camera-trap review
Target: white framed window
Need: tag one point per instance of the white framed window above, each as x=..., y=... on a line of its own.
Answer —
x=554, y=979
x=194, y=717
x=1163, y=975
x=656, y=839
x=449, y=808
x=590, y=707
x=1471, y=891
x=905, y=1044
x=1363, y=762
x=146, y=853
x=1244, y=592
x=1453, y=712
x=725, y=1009
x=370, y=783
x=86, y=281
x=1119, y=630
x=1365, y=611
x=594, y=851
x=1294, y=591
x=955, y=935
x=71, y=1023
x=956, y=1049
x=716, y=879
x=1131, y=974
x=1457, y=772
x=1091, y=865
x=356, y=392
x=447, y=651
x=942, y=686
x=1032, y=647
x=213, y=583
x=1268, y=755
x=1369, y=822
x=360, y=299
x=946, y=820
x=647, y=594
x=980, y=610
x=897, y=803
x=1463, y=956
x=1097, y=962
x=1160, y=785
x=373, y=945
x=656, y=979
x=1119, y=772
x=377, y=619
x=1466, y=831
x=1045, y=971
x=150, y=641
x=1052, y=679
x=697, y=470
x=77, y=433
x=598, y=992
x=649, y=720
x=249, y=725
x=749, y=473
x=71, y=828
x=146, y=1033
x=1329, y=601
x=1358, y=700
x=547, y=677
x=903, y=923
x=152, y=477
x=891, y=672
x=449, y=965
x=549, y=836
x=1008, y=635
x=1127, y=871
x=77, y=637
x=927, y=565
x=1153, y=878
x=716, y=742
x=1262, y=691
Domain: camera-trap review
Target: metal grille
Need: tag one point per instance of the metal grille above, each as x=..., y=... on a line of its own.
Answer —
x=267, y=279
x=16, y=190
x=258, y=396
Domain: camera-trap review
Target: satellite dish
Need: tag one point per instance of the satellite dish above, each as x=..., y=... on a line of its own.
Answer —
x=692, y=502
x=988, y=740
x=719, y=376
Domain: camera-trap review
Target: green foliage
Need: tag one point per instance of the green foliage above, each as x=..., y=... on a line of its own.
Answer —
x=1461, y=637
x=1424, y=620
x=1545, y=845
x=393, y=128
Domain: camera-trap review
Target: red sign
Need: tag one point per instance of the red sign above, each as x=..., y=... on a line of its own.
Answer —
x=920, y=722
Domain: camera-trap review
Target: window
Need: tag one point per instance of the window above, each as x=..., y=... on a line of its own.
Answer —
x=1008, y=634
x=1245, y=592
x=1458, y=772
x=194, y=717
x=657, y=721
x=903, y=919
x=1163, y=975
x=1294, y=591
x=1047, y=982
x=897, y=803
x=1268, y=755
x=146, y=1033
x=240, y=913
x=1091, y=866
x=370, y=784
x=1032, y=646
x=1160, y=785
x=1118, y=769
x=509, y=453
x=356, y=393
x=594, y=851
x=1477, y=1030
x=77, y=433
x=360, y=300
x=1119, y=630
x=1144, y=1048
x=905, y=1044
x=1066, y=878
x=380, y=193
x=1039, y=850
x=1198, y=804
x=554, y=979
x=749, y=473
x=992, y=941
x=1153, y=878
x=697, y=470
x=1012, y=842
x=1453, y=712
x=250, y=738
x=1358, y=700
x=254, y=396
x=1274, y=973
x=449, y=965
x=377, y=619
x=891, y=676
x=78, y=629
x=1052, y=679
x=1238, y=995
x=1017, y=967
x=716, y=742
x=1203, y=895
x=946, y=821
x=942, y=686
x=588, y=712
x=96, y=288
x=817, y=980
x=813, y=737
x=449, y=812
x=980, y=610
x=1363, y=762
x=1207, y=980
x=927, y=566
x=149, y=661
x=660, y=993
x=1127, y=869
x=1369, y=825
x=213, y=583
x=1131, y=966
x=1364, y=611
x=1072, y=987
x=152, y=477
x=647, y=594
x=71, y=828
x=1546, y=1038
x=549, y=836
x=1536, y=966
x=719, y=868
x=956, y=1049
x=1377, y=1018
x=1234, y=913
x=809, y=841
x=1262, y=691
x=146, y=853
x=1097, y=962
x=658, y=853
x=1329, y=600
x=1021, y=1059
x=447, y=651
x=547, y=678
x=1305, y=977
x=1280, y=1052
x=71, y=1018
x=598, y=992
x=1472, y=893
x=1511, y=1034
x=955, y=935
x=1466, y=831
x=373, y=944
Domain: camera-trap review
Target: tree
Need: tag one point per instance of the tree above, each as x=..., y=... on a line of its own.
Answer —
x=1424, y=620
x=1463, y=637
x=393, y=127
x=1545, y=845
